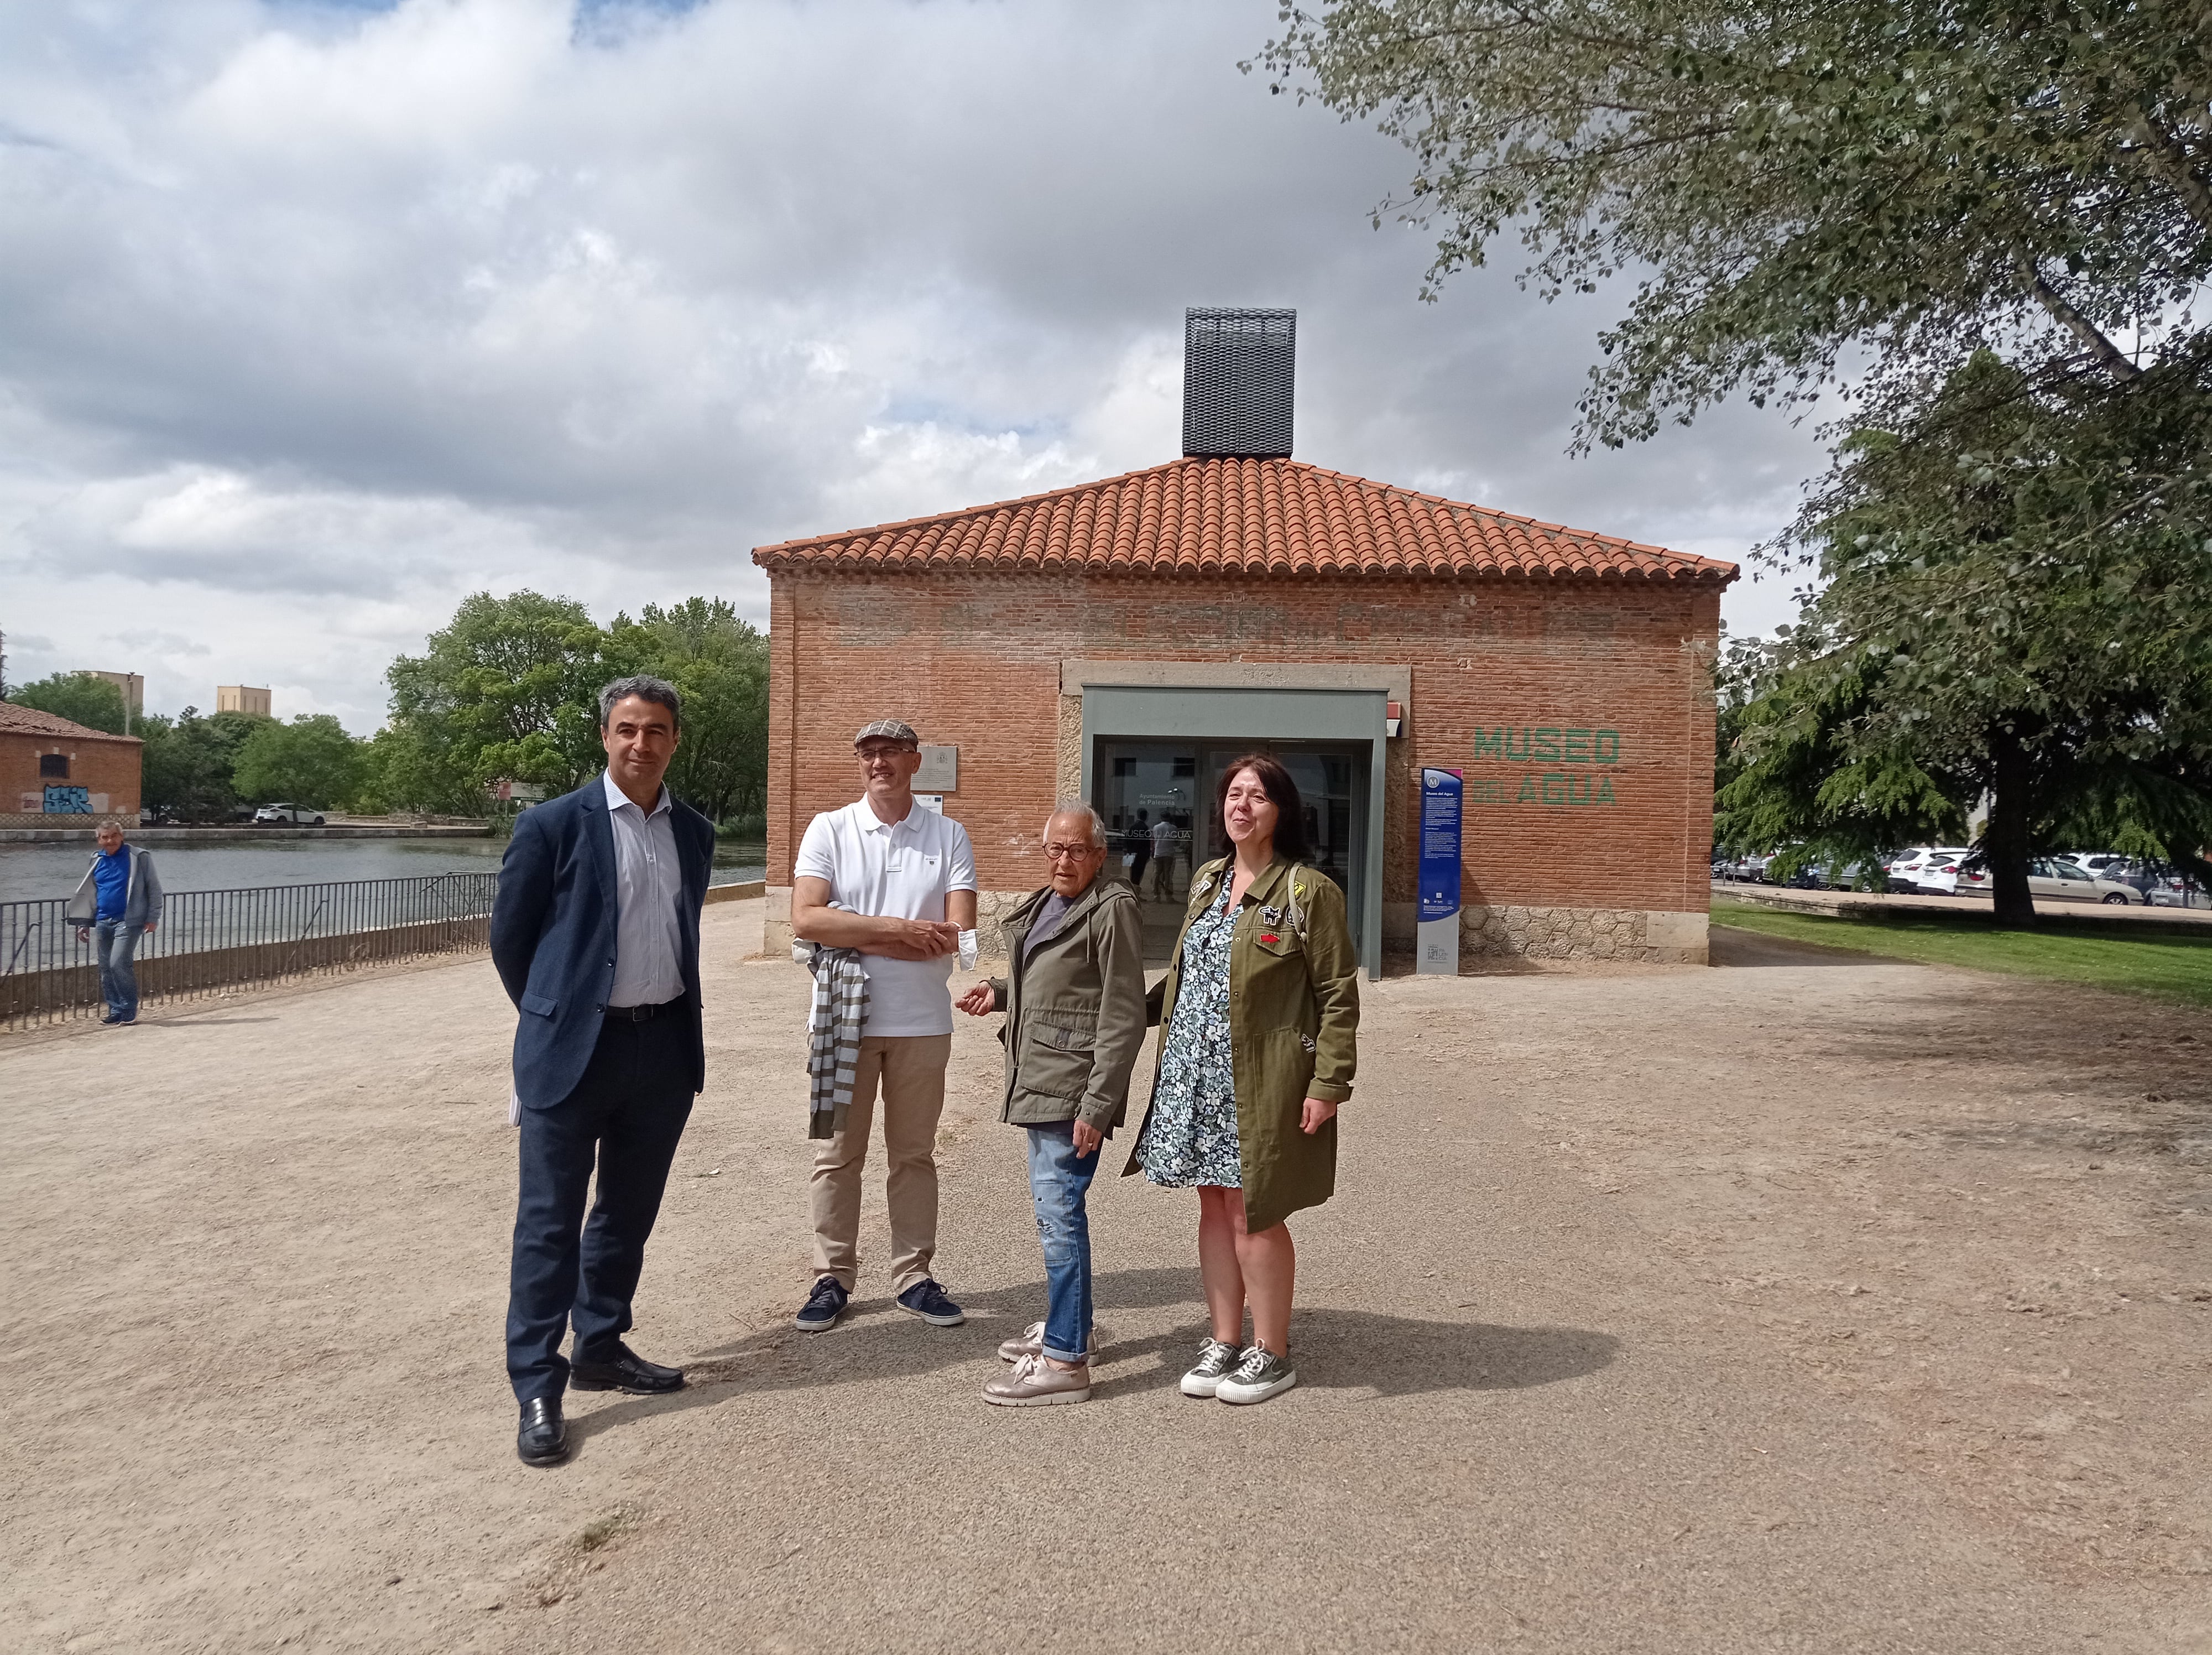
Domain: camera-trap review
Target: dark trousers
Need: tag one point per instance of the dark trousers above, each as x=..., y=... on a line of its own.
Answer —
x=628, y=1114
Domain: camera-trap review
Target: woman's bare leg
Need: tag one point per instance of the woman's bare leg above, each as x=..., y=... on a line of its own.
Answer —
x=1268, y=1265
x=1217, y=1260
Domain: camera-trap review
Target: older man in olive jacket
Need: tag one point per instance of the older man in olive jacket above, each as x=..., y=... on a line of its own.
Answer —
x=1074, y=999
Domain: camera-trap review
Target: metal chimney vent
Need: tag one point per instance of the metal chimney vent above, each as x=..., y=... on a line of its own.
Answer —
x=1237, y=374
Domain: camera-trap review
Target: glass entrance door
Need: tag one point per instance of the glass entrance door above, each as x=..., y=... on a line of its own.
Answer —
x=1157, y=800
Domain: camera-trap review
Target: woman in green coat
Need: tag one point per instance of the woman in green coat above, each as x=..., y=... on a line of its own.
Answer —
x=1260, y=1013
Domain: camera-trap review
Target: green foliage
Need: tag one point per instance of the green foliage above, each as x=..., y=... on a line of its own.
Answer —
x=188, y=762
x=1903, y=180
x=2015, y=606
x=78, y=696
x=509, y=690
x=312, y=761
x=504, y=690
x=719, y=665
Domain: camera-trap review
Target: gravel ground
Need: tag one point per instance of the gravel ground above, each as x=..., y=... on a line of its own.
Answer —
x=1809, y=1303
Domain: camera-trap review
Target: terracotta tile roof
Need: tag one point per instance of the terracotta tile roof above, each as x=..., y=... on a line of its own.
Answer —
x=1273, y=517
x=29, y=720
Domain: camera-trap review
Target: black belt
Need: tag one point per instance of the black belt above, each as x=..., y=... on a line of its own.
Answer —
x=641, y=1014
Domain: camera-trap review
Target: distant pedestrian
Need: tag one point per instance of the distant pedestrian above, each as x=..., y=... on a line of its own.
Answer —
x=1259, y=1014
x=1074, y=1000
x=118, y=902
x=1140, y=852
x=893, y=882
x=595, y=936
x=1163, y=857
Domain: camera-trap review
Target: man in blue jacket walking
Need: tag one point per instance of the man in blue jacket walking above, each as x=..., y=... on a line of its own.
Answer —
x=595, y=934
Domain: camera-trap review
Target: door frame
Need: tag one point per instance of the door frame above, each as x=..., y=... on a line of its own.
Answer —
x=1214, y=713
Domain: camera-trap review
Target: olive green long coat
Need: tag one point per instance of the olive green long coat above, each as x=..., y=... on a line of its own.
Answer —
x=1293, y=1029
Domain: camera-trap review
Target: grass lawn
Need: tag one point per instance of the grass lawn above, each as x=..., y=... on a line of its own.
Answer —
x=2163, y=967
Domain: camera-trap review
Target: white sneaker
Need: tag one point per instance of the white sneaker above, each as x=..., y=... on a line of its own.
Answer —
x=1216, y=1361
x=1260, y=1374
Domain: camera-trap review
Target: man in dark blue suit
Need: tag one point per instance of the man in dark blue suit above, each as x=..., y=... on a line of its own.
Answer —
x=595, y=934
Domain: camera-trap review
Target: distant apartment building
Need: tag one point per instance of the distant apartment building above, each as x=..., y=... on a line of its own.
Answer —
x=129, y=685
x=241, y=699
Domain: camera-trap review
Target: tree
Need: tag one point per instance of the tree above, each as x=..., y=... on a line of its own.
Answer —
x=2012, y=610
x=78, y=696
x=312, y=761
x=1906, y=180
x=719, y=664
x=507, y=690
x=188, y=761
x=1999, y=211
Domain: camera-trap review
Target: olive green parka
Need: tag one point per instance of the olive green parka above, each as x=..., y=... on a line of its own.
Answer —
x=1293, y=1029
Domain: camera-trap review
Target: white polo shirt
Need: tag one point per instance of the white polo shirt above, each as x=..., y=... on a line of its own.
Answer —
x=900, y=870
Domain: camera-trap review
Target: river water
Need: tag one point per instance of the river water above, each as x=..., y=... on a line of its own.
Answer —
x=32, y=871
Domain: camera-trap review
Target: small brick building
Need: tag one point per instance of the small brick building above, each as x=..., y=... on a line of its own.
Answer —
x=1122, y=640
x=54, y=773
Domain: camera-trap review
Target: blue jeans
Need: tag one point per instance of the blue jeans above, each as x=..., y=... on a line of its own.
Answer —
x=1058, y=1180
x=114, y=944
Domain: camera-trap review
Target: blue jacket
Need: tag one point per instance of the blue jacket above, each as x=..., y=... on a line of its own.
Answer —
x=142, y=907
x=553, y=935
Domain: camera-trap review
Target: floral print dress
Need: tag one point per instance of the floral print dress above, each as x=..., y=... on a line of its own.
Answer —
x=1191, y=1136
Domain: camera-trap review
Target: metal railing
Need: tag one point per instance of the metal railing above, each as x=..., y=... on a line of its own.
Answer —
x=208, y=941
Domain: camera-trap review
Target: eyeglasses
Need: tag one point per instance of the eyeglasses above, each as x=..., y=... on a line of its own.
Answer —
x=1068, y=853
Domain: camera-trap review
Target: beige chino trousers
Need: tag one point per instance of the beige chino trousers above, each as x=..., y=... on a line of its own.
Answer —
x=910, y=1072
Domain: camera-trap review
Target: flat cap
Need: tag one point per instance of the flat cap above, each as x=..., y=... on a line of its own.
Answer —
x=888, y=729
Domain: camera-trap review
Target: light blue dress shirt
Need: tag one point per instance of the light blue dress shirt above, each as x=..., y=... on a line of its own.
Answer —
x=649, y=887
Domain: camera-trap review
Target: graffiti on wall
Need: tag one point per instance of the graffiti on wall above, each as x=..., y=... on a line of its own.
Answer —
x=1559, y=768
x=69, y=801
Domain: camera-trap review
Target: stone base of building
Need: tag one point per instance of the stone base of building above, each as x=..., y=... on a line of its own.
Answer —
x=1638, y=936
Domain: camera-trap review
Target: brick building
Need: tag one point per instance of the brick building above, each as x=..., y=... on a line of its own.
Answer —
x=57, y=774
x=1122, y=640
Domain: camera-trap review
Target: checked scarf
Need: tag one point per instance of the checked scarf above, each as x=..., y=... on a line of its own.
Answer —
x=833, y=1036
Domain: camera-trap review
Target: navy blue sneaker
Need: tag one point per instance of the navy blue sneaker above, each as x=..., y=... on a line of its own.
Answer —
x=822, y=1306
x=927, y=1300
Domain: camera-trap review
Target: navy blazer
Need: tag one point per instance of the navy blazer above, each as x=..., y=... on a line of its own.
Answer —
x=553, y=935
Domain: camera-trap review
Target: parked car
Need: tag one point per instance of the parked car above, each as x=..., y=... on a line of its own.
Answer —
x=1931, y=871
x=2097, y=862
x=299, y=814
x=2060, y=881
x=2171, y=888
x=156, y=816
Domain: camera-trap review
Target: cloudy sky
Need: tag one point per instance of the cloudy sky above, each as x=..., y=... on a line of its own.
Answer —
x=316, y=317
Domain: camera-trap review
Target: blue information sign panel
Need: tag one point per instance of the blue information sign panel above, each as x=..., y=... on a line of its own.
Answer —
x=1438, y=922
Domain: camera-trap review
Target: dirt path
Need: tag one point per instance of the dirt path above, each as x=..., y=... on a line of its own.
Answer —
x=1798, y=1305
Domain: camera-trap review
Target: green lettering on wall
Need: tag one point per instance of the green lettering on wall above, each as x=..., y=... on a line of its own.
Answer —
x=1608, y=746
x=1490, y=747
x=1577, y=748
x=1604, y=791
x=1528, y=794
x=1547, y=744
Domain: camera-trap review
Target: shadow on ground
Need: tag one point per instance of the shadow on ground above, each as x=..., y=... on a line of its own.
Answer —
x=1728, y=946
x=1356, y=1350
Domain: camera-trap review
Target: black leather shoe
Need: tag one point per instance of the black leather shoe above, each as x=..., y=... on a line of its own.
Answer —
x=543, y=1438
x=624, y=1369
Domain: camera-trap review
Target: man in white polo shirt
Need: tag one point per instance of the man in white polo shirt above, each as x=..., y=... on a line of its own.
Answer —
x=897, y=883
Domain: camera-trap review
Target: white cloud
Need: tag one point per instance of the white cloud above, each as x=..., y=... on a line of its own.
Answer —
x=313, y=318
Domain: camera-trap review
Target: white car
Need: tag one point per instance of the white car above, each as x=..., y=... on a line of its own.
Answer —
x=1933, y=871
